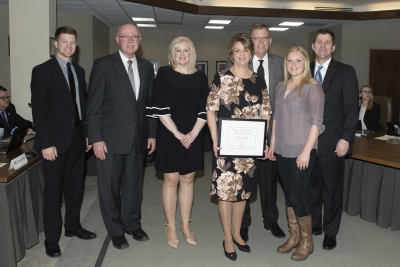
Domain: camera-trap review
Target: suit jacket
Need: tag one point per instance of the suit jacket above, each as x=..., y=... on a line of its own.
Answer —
x=52, y=105
x=275, y=73
x=340, y=86
x=372, y=117
x=14, y=119
x=113, y=113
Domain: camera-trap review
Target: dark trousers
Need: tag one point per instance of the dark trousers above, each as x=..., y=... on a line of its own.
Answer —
x=120, y=180
x=65, y=174
x=268, y=182
x=326, y=187
x=295, y=182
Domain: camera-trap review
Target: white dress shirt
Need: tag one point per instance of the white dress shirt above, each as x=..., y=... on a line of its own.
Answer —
x=324, y=68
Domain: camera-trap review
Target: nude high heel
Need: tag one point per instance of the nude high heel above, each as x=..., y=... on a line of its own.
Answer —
x=190, y=240
x=172, y=243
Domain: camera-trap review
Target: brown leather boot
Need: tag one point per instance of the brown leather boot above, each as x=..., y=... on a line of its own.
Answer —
x=293, y=240
x=306, y=246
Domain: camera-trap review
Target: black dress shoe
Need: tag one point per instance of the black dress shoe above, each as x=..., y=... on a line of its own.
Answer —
x=120, y=242
x=329, y=242
x=316, y=232
x=244, y=233
x=138, y=234
x=275, y=230
x=244, y=248
x=52, y=249
x=229, y=255
x=82, y=234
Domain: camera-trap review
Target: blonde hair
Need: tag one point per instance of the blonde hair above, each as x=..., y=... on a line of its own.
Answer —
x=192, y=58
x=371, y=100
x=306, y=75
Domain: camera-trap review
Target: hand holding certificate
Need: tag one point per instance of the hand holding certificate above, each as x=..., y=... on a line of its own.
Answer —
x=242, y=138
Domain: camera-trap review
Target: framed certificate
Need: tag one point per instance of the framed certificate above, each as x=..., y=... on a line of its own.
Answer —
x=244, y=138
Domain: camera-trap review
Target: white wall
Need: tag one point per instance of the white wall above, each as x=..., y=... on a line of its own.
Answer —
x=211, y=45
x=4, y=57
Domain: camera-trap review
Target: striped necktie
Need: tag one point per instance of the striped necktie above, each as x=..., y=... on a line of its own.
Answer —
x=318, y=75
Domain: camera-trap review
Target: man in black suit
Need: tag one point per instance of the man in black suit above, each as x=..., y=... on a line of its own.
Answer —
x=9, y=118
x=58, y=108
x=270, y=67
x=120, y=87
x=340, y=85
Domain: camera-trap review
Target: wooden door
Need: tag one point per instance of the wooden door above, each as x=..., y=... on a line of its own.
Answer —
x=384, y=76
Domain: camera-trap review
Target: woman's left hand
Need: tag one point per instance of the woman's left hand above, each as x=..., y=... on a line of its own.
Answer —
x=265, y=153
x=302, y=160
x=188, y=139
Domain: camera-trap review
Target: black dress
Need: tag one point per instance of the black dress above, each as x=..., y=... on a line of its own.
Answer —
x=235, y=179
x=183, y=97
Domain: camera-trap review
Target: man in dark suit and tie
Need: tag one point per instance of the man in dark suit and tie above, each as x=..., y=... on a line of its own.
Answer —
x=58, y=108
x=120, y=87
x=9, y=118
x=270, y=67
x=340, y=85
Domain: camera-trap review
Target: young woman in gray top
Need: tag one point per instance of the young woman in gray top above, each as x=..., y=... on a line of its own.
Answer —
x=298, y=117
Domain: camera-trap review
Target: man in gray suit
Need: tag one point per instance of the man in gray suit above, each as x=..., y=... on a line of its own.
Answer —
x=269, y=66
x=120, y=87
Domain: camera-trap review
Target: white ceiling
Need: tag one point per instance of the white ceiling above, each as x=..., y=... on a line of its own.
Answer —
x=117, y=12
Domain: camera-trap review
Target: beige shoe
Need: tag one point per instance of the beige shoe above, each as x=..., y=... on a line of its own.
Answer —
x=306, y=246
x=294, y=239
x=172, y=243
x=192, y=239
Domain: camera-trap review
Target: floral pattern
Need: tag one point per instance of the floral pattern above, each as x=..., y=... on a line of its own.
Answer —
x=234, y=179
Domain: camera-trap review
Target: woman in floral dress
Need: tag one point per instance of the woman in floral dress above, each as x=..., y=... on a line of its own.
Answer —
x=235, y=93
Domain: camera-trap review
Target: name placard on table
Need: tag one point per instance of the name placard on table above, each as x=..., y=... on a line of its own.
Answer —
x=244, y=138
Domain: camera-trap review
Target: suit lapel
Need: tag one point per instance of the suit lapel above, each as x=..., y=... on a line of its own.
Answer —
x=141, y=77
x=330, y=72
x=312, y=67
x=119, y=65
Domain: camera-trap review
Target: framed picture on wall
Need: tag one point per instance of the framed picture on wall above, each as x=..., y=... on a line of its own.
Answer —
x=220, y=66
x=156, y=65
x=202, y=66
x=53, y=49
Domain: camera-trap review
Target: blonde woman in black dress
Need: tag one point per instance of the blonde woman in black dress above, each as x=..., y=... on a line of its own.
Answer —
x=180, y=94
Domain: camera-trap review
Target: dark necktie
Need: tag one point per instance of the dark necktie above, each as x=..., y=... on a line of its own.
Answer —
x=73, y=94
x=260, y=70
x=5, y=122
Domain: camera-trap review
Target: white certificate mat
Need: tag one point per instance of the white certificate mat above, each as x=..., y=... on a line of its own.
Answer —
x=242, y=137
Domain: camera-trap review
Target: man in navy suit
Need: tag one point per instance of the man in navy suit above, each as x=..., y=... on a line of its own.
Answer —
x=120, y=87
x=9, y=117
x=340, y=85
x=58, y=109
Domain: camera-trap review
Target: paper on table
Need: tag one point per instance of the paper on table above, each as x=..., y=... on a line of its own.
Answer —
x=385, y=137
x=2, y=164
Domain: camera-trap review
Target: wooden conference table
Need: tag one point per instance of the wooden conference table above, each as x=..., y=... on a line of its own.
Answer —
x=372, y=181
x=21, y=201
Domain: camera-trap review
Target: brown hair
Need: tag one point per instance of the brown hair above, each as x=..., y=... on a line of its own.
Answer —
x=259, y=26
x=243, y=38
x=325, y=31
x=371, y=100
x=67, y=30
x=306, y=75
x=3, y=89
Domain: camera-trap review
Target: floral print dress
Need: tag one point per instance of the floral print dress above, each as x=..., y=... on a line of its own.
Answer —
x=235, y=179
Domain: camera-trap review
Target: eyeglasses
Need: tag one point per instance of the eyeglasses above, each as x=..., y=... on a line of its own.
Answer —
x=65, y=42
x=127, y=37
x=5, y=97
x=263, y=38
x=367, y=92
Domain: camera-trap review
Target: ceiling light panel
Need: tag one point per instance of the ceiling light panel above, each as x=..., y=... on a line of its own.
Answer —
x=291, y=23
x=142, y=19
x=214, y=27
x=219, y=21
x=142, y=25
x=278, y=29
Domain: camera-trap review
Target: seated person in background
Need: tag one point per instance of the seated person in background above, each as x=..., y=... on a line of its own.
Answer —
x=370, y=112
x=9, y=118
